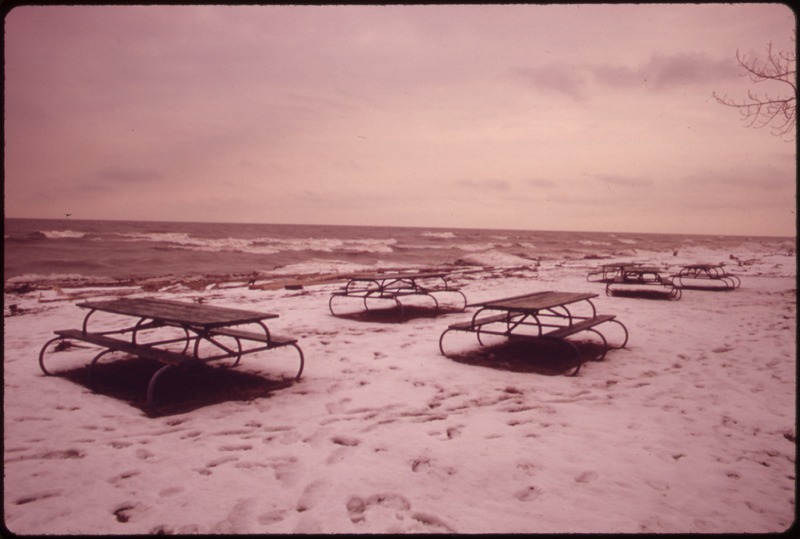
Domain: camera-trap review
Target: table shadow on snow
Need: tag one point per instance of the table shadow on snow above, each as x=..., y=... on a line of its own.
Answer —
x=395, y=315
x=525, y=356
x=179, y=391
x=658, y=295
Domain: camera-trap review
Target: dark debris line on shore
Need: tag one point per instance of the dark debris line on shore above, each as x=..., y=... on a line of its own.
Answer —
x=89, y=287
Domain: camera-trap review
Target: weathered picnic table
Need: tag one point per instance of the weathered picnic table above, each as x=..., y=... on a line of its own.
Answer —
x=706, y=277
x=544, y=316
x=393, y=286
x=610, y=271
x=643, y=280
x=205, y=333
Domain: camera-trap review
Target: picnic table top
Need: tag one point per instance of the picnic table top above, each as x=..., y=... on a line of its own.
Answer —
x=165, y=310
x=701, y=266
x=620, y=264
x=535, y=301
x=398, y=275
x=644, y=269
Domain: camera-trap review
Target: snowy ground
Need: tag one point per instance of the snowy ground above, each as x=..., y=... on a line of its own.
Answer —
x=691, y=428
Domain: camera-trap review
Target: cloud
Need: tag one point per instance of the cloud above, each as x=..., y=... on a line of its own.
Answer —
x=617, y=75
x=623, y=181
x=668, y=71
x=540, y=183
x=485, y=185
x=114, y=179
x=126, y=175
x=557, y=78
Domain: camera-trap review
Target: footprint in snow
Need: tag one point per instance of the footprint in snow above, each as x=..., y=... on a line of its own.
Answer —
x=528, y=494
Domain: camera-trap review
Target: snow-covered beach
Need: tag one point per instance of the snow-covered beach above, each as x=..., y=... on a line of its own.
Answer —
x=691, y=428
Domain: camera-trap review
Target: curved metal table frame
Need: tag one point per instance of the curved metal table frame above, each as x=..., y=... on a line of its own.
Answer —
x=644, y=279
x=548, y=313
x=705, y=274
x=392, y=287
x=609, y=272
x=196, y=330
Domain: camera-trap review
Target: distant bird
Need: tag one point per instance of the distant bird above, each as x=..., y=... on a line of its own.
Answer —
x=69, y=215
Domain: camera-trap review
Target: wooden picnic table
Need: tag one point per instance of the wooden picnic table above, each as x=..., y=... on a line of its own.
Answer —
x=706, y=276
x=205, y=333
x=643, y=280
x=547, y=315
x=610, y=271
x=393, y=286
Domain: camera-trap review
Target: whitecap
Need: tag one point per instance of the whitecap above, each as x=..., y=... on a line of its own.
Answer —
x=265, y=245
x=439, y=235
x=60, y=234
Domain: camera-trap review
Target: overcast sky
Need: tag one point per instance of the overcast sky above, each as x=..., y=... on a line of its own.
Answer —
x=542, y=117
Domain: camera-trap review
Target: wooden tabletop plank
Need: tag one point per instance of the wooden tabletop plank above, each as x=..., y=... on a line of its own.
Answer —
x=177, y=311
x=702, y=266
x=644, y=269
x=391, y=276
x=535, y=301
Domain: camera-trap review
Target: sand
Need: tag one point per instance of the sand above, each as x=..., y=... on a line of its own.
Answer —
x=691, y=428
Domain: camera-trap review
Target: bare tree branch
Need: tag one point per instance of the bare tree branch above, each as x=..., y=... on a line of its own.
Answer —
x=762, y=110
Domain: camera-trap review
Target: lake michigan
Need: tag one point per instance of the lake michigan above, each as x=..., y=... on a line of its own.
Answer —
x=70, y=251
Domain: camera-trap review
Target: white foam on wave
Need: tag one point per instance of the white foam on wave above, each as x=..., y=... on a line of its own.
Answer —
x=51, y=277
x=493, y=258
x=466, y=247
x=61, y=234
x=265, y=245
x=439, y=235
x=224, y=245
x=320, y=266
x=480, y=247
x=595, y=242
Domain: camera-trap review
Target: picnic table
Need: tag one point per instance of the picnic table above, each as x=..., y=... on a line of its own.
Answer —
x=706, y=277
x=641, y=280
x=549, y=315
x=199, y=334
x=393, y=286
x=608, y=272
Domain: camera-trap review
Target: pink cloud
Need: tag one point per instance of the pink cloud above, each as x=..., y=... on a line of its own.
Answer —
x=666, y=71
x=557, y=78
x=490, y=185
x=660, y=72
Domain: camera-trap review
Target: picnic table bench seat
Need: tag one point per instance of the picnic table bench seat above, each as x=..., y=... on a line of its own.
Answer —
x=643, y=281
x=608, y=272
x=168, y=358
x=583, y=325
x=470, y=325
x=161, y=355
x=119, y=345
x=394, y=286
x=273, y=341
x=483, y=325
x=399, y=290
x=706, y=277
x=559, y=333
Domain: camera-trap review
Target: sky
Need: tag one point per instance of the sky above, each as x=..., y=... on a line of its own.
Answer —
x=534, y=117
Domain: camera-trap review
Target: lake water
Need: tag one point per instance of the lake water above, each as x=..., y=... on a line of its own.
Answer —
x=66, y=250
